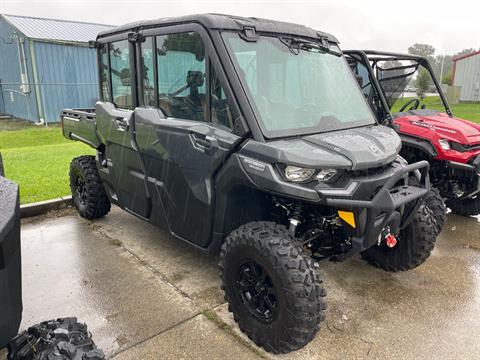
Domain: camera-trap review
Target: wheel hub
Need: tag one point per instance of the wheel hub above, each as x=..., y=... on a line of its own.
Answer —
x=256, y=291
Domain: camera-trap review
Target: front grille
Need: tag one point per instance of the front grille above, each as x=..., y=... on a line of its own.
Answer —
x=372, y=171
x=464, y=147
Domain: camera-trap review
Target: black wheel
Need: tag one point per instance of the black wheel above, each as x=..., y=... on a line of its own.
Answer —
x=88, y=194
x=271, y=287
x=55, y=339
x=435, y=203
x=466, y=207
x=415, y=243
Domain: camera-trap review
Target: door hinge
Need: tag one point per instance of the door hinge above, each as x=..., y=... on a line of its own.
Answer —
x=135, y=37
x=92, y=44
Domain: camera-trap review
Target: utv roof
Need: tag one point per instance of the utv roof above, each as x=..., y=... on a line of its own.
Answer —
x=223, y=22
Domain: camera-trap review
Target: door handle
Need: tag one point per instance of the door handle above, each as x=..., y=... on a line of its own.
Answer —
x=122, y=123
x=204, y=142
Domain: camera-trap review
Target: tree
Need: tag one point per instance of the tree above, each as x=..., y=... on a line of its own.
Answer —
x=423, y=83
x=425, y=50
x=465, y=52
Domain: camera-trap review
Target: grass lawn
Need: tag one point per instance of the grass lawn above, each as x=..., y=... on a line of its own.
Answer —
x=470, y=111
x=38, y=159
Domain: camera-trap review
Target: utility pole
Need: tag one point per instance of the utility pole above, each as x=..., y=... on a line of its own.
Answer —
x=441, y=69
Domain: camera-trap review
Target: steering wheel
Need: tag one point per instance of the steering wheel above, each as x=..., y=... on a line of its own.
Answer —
x=414, y=103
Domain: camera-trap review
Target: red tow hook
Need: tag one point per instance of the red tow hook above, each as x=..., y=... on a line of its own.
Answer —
x=391, y=240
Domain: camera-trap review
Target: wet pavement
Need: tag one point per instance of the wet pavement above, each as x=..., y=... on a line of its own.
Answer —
x=145, y=295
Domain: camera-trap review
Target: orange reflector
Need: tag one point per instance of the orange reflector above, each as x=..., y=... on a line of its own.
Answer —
x=348, y=217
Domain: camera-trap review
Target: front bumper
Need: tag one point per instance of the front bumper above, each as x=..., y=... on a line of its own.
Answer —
x=393, y=205
x=377, y=197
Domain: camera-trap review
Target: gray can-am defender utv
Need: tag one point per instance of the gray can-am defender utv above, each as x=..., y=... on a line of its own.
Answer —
x=251, y=138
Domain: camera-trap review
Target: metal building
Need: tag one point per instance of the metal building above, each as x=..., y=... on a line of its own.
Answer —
x=466, y=76
x=45, y=66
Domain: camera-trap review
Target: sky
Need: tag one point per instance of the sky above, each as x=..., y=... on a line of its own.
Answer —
x=449, y=26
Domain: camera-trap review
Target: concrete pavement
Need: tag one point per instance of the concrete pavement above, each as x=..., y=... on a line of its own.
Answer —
x=145, y=295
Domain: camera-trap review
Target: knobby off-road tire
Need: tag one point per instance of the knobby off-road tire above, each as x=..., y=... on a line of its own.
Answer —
x=415, y=243
x=466, y=207
x=436, y=204
x=88, y=194
x=61, y=339
x=260, y=263
x=439, y=210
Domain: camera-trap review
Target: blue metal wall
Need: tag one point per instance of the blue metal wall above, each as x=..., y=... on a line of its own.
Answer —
x=67, y=75
x=12, y=100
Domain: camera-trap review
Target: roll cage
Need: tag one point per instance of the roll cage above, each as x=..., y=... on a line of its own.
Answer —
x=371, y=58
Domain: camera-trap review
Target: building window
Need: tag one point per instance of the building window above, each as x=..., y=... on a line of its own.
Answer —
x=121, y=74
x=104, y=70
x=148, y=73
x=181, y=75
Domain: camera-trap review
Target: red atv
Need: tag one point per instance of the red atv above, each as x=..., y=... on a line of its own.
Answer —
x=451, y=145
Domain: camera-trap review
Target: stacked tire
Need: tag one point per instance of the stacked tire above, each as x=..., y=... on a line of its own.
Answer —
x=61, y=339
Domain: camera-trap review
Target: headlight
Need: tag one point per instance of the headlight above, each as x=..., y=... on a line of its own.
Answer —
x=326, y=174
x=298, y=174
x=444, y=144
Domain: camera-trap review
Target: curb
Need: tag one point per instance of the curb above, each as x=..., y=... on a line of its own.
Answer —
x=41, y=207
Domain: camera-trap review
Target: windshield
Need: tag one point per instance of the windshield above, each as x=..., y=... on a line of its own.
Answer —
x=298, y=89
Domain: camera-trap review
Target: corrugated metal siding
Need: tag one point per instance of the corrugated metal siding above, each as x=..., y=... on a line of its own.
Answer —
x=54, y=29
x=467, y=77
x=67, y=77
x=14, y=103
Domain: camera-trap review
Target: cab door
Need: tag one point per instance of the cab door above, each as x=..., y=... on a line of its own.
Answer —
x=120, y=163
x=184, y=129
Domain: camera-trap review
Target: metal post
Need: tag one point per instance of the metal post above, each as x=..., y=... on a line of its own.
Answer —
x=441, y=69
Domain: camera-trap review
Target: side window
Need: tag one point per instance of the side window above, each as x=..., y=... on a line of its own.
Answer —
x=181, y=75
x=120, y=72
x=221, y=113
x=104, y=70
x=148, y=72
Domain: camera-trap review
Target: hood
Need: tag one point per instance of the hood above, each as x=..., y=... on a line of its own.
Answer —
x=355, y=149
x=422, y=122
